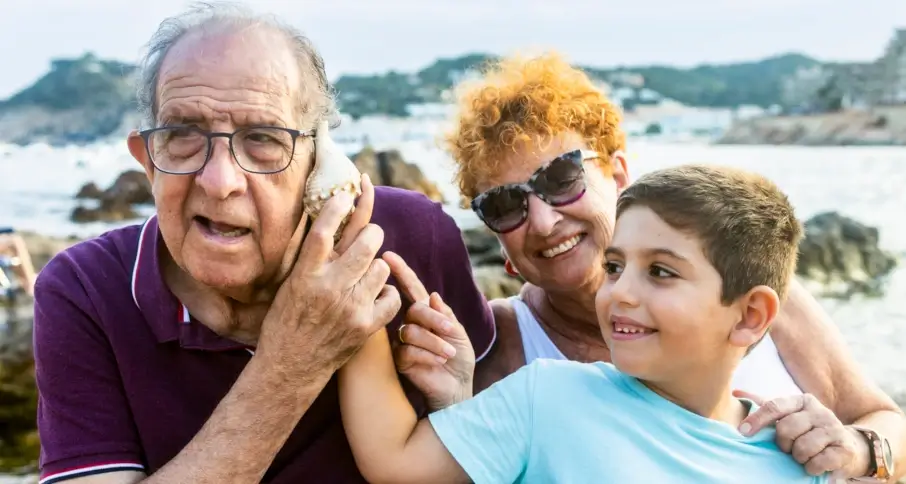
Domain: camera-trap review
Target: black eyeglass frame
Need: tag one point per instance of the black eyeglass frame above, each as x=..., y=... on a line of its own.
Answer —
x=209, y=135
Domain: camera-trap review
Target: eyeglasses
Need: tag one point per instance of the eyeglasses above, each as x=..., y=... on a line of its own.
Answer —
x=183, y=150
x=559, y=182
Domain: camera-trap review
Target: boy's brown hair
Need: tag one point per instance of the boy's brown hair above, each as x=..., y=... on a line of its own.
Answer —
x=748, y=227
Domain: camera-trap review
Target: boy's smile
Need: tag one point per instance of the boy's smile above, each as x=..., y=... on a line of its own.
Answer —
x=627, y=329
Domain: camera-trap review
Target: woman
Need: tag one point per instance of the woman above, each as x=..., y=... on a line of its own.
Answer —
x=518, y=145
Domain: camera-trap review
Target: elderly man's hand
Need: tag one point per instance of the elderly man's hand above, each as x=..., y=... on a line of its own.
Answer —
x=334, y=298
x=432, y=348
x=811, y=433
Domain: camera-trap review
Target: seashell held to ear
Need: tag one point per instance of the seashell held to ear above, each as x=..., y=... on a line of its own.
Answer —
x=333, y=173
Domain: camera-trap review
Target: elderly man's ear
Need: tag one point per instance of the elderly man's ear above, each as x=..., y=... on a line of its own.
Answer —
x=137, y=149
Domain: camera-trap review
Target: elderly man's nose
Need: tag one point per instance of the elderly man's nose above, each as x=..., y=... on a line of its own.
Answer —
x=542, y=217
x=221, y=177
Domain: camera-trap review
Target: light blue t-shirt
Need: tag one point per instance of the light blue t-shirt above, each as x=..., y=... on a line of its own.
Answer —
x=567, y=422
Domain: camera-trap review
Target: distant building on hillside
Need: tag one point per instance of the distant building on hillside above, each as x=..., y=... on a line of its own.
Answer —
x=799, y=91
x=856, y=85
x=891, y=71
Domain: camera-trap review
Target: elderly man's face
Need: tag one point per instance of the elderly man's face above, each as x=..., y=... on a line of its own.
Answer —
x=228, y=228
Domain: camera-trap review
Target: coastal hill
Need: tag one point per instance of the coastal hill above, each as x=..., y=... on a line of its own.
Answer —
x=86, y=99
x=758, y=83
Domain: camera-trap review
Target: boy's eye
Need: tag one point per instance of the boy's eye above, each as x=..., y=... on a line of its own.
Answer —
x=660, y=272
x=613, y=268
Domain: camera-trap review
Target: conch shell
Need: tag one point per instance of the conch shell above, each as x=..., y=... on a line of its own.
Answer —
x=333, y=173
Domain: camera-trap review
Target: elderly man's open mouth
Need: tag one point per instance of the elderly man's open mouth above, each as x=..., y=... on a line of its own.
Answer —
x=220, y=230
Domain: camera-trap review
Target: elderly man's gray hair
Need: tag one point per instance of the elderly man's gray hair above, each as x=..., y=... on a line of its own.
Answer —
x=315, y=89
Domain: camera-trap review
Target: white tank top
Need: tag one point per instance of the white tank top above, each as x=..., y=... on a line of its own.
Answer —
x=761, y=372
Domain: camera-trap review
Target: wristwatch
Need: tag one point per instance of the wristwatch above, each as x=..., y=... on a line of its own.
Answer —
x=880, y=468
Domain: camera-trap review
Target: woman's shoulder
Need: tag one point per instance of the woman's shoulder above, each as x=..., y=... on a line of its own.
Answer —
x=507, y=355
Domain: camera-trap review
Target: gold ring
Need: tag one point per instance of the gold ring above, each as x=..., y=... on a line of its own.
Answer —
x=399, y=333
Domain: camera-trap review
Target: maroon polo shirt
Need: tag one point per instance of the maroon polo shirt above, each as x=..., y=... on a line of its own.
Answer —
x=126, y=376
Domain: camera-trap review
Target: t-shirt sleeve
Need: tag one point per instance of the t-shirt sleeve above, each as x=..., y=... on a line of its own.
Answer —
x=456, y=284
x=490, y=434
x=84, y=423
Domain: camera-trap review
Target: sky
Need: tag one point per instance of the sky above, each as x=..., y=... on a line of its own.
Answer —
x=371, y=36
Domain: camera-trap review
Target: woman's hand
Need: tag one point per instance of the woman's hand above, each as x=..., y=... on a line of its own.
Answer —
x=811, y=433
x=432, y=348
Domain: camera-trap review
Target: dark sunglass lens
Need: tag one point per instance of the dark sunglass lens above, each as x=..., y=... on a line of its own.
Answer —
x=504, y=209
x=562, y=181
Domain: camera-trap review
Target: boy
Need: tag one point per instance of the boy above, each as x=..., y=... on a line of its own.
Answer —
x=700, y=260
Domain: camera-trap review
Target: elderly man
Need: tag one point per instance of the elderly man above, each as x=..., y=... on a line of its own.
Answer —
x=200, y=347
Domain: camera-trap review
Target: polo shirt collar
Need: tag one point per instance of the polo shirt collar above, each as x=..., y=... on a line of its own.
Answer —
x=168, y=317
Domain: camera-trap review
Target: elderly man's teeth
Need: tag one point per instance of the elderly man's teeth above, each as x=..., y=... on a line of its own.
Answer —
x=231, y=233
x=225, y=230
x=565, y=246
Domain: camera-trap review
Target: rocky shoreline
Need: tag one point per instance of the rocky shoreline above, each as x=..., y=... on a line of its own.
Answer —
x=882, y=126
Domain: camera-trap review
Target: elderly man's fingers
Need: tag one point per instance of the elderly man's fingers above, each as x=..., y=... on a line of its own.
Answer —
x=319, y=241
x=408, y=280
x=360, y=218
x=386, y=306
x=372, y=282
x=361, y=255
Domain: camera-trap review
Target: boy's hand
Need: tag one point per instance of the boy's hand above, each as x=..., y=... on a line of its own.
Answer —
x=432, y=348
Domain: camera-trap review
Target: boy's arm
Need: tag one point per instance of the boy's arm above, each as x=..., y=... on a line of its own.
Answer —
x=388, y=441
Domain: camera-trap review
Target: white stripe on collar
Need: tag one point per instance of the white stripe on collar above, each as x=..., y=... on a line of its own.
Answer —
x=138, y=258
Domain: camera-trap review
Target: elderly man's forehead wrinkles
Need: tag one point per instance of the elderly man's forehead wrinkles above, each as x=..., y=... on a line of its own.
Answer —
x=243, y=79
x=198, y=106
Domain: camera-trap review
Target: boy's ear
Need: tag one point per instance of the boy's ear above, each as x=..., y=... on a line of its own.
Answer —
x=758, y=308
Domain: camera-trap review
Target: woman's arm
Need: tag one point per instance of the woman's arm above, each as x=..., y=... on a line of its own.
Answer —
x=388, y=441
x=815, y=354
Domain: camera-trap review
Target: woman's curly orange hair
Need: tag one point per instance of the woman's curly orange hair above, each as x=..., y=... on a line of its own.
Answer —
x=526, y=100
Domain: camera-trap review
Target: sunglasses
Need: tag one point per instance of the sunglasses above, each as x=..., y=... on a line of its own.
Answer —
x=557, y=183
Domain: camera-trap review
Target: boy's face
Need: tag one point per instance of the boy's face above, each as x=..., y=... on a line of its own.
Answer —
x=659, y=307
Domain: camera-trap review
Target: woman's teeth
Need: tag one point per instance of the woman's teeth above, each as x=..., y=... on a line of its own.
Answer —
x=565, y=246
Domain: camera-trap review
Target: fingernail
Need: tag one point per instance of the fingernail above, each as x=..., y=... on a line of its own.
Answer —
x=441, y=360
x=449, y=350
x=446, y=326
x=745, y=428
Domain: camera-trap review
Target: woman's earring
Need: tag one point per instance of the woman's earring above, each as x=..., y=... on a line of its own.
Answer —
x=510, y=270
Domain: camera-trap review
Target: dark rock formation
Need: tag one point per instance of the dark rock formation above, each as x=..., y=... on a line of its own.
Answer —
x=116, y=202
x=843, y=256
x=880, y=127
x=389, y=168
x=487, y=263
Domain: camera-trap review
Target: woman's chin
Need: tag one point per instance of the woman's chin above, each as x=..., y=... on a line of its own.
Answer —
x=570, y=278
